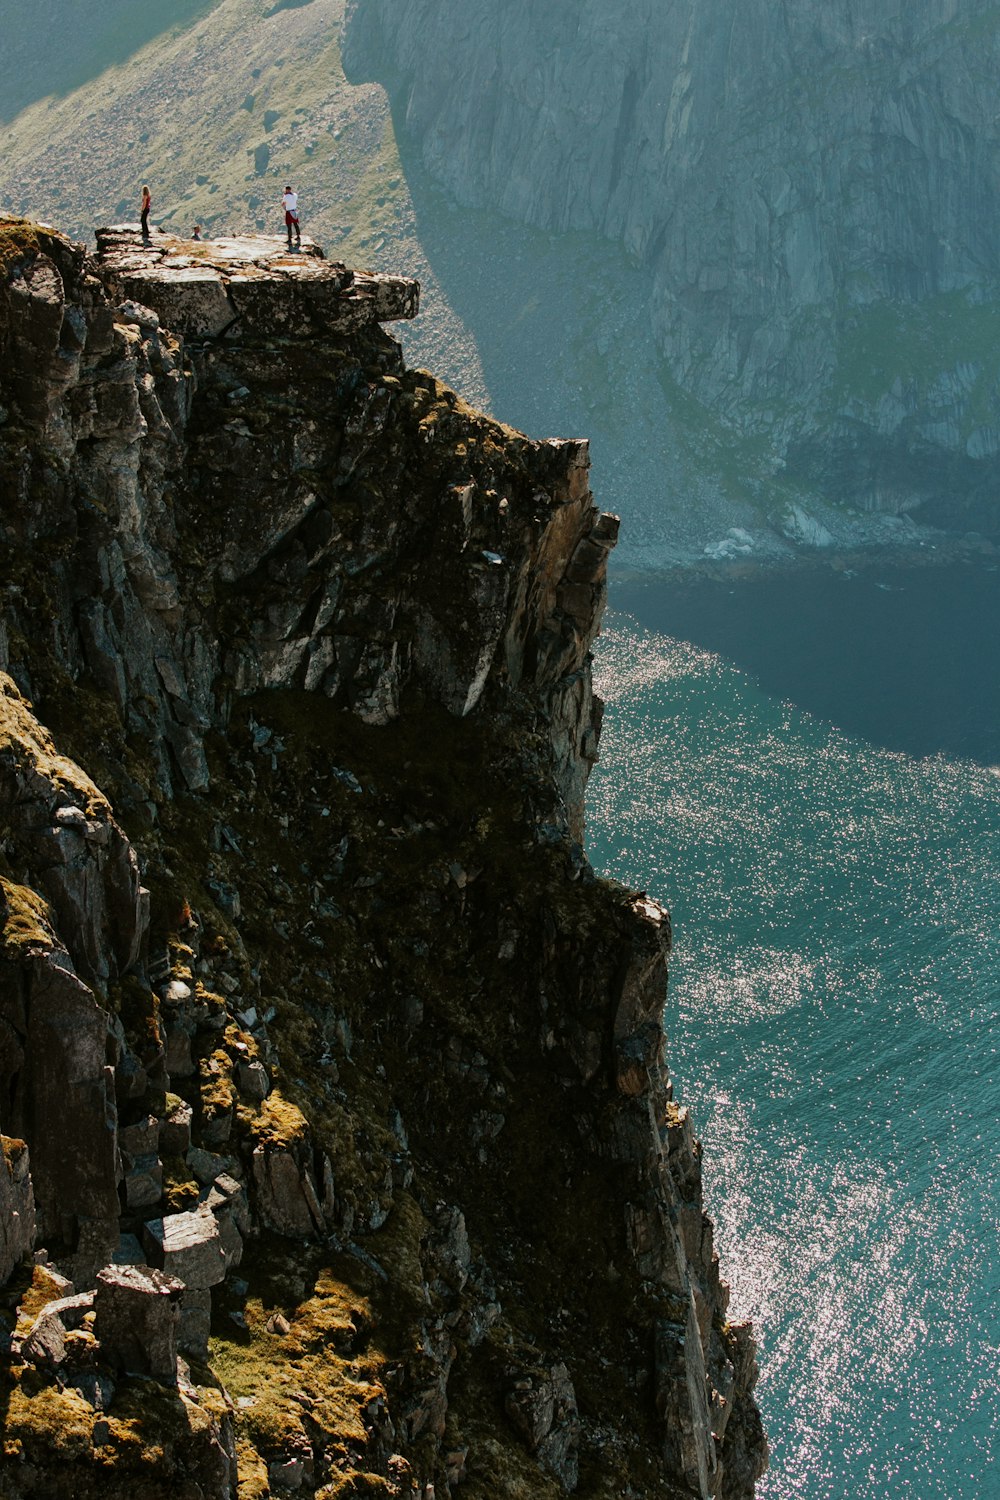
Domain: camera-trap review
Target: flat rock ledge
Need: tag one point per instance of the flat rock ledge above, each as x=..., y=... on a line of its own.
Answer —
x=249, y=286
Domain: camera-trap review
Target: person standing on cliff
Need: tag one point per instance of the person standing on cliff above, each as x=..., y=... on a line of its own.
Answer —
x=144, y=211
x=290, y=201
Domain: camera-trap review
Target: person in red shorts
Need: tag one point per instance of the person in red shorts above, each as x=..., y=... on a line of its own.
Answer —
x=290, y=201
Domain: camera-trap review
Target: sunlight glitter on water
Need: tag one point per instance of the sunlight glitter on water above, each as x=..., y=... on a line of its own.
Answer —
x=833, y=993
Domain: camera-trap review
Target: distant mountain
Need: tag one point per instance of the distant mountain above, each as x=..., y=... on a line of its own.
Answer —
x=813, y=189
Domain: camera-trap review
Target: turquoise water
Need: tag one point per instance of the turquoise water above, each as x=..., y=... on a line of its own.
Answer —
x=831, y=1016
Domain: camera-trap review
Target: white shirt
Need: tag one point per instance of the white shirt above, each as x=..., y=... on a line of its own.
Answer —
x=291, y=202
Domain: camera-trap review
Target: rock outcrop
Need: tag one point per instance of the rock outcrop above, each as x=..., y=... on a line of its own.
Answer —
x=811, y=188
x=339, y=1122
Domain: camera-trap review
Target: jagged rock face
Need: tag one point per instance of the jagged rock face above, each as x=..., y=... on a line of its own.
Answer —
x=341, y=1052
x=809, y=184
x=17, y=1205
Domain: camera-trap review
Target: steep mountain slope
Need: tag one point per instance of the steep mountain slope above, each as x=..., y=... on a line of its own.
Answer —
x=324, y=1057
x=215, y=114
x=813, y=188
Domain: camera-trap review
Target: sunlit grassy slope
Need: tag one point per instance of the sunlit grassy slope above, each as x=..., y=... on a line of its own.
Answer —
x=219, y=110
x=91, y=35
x=215, y=111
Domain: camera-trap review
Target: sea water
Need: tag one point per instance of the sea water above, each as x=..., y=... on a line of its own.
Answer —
x=833, y=995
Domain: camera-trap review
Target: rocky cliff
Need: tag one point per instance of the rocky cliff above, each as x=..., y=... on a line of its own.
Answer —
x=339, y=1150
x=814, y=188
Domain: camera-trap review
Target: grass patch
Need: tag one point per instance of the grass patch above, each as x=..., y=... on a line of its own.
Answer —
x=18, y=243
x=321, y=1373
x=26, y=918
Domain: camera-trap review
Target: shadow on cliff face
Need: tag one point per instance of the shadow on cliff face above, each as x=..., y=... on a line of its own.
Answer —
x=85, y=39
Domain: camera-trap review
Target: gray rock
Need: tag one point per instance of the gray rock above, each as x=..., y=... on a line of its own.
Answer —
x=229, y=282
x=286, y=1474
x=180, y=1061
x=98, y=1390
x=285, y=1195
x=227, y=1191
x=129, y=1252
x=71, y=1309
x=74, y=1157
x=638, y=1032
x=195, y=1323
x=207, y=1165
x=144, y=1182
x=138, y=1311
x=543, y=1409
x=682, y=1401
x=45, y=1343
x=253, y=1080
x=217, y=1130
x=175, y=1130
x=141, y=1139
x=187, y=1246
x=227, y=1200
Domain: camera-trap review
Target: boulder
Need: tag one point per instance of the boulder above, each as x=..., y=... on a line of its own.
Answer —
x=175, y=1129
x=187, y=1246
x=227, y=1201
x=195, y=1323
x=142, y=1138
x=286, y=1197
x=138, y=1311
x=46, y=1342
x=62, y=1097
x=253, y=1080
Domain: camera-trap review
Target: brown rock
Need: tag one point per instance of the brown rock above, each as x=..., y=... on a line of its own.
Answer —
x=62, y=1098
x=286, y=1197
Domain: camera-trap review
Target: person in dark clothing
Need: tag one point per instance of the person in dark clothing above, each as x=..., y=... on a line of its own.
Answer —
x=144, y=213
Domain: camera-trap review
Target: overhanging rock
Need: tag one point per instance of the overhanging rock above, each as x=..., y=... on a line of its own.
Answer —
x=252, y=284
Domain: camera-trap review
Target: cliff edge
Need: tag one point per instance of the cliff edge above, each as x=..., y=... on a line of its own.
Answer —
x=339, y=1151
